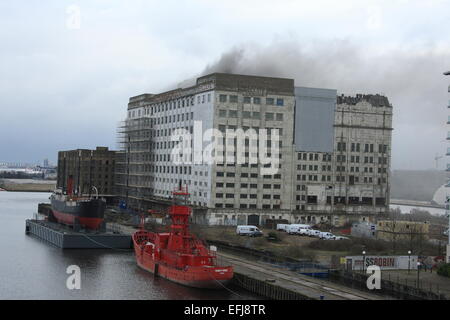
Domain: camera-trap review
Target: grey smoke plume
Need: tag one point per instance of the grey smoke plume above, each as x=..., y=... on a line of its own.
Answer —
x=410, y=77
x=342, y=65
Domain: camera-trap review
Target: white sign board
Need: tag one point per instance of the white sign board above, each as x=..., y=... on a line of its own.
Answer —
x=384, y=262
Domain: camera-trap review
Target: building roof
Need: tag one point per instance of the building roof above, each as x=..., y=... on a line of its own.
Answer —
x=247, y=84
x=375, y=100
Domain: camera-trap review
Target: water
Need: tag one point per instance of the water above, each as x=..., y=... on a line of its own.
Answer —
x=32, y=269
x=408, y=208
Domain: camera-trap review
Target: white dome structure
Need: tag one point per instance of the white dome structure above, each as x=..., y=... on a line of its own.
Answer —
x=441, y=194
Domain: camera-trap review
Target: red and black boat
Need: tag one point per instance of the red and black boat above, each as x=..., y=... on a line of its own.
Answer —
x=178, y=255
x=72, y=210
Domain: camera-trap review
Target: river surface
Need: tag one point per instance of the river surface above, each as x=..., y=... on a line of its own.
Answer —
x=33, y=269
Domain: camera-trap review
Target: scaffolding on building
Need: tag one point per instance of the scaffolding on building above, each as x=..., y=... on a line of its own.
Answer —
x=134, y=163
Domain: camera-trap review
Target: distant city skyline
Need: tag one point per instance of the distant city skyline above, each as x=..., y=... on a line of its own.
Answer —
x=27, y=163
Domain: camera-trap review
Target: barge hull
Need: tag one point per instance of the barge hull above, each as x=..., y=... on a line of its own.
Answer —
x=66, y=238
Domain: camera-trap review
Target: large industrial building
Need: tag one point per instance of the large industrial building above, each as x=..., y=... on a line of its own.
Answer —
x=257, y=148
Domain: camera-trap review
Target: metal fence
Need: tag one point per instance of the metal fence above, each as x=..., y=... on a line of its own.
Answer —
x=395, y=287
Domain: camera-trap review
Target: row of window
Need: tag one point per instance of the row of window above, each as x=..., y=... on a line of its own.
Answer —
x=246, y=165
x=269, y=116
x=327, y=178
x=179, y=103
x=246, y=175
x=312, y=177
x=326, y=157
x=166, y=106
x=173, y=118
x=167, y=132
x=247, y=206
x=343, y=200
x=246, y=185
x=223, y=128
x=356, y=159
x=247, y=100
x=170, y=105
x=311, y=167
x=248, y=196
x=356, y=169
x=356, y=147
x=368, y=170
x=339, y=158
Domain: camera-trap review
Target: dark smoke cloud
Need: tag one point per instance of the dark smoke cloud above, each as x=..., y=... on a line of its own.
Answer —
x=343, y=65
x=411, y=77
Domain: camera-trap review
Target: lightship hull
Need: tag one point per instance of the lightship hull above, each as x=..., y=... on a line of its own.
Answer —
x=207, y=276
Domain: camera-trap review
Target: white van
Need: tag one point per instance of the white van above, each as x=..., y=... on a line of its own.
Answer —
x=302, y=226
x=282, y=227
x=313, y=233
x=251, y=231
x=303, y=232
x=327, y=236
x=292, y=229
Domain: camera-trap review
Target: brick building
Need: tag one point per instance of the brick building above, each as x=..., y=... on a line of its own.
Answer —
x=89, y=168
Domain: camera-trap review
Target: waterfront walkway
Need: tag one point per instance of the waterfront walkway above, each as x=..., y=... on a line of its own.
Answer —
x=309, y=287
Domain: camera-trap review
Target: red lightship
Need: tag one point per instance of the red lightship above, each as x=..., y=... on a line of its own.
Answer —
x=178, y=255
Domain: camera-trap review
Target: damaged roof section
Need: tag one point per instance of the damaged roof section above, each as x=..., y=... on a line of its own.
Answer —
x=375, y=100
x=248, y=84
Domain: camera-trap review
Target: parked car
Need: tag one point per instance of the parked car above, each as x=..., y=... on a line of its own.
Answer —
x=251, y=231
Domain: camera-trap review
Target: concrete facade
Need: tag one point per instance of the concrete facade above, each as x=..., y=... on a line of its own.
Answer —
x=353, y=180
x=312, y=186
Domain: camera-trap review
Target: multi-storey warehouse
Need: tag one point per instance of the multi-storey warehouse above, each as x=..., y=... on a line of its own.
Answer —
x=300, y=154
x=88, y=169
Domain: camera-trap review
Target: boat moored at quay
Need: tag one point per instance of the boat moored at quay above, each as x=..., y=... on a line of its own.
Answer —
x=178, y=255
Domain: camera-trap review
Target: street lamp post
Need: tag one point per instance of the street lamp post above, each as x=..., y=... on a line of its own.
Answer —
x=409, y=261
x=364, y=260
x=418, y=273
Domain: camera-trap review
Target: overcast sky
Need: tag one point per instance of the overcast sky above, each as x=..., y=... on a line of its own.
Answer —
x=65, y=83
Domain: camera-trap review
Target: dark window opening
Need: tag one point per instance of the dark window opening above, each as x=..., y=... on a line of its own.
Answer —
x=339, y=200
x=353, y=200
x=380, y=201
x=312, y=200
